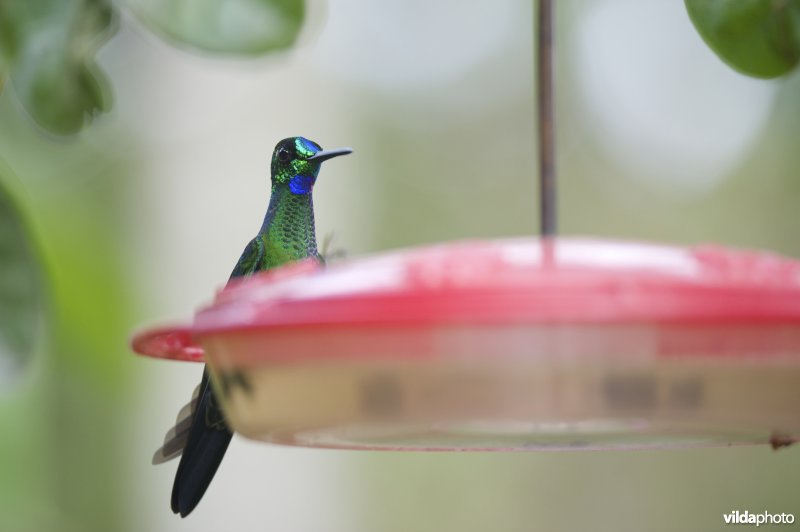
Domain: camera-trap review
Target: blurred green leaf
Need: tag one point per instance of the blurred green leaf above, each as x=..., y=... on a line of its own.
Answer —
x=759, y=38
x=7, y=45
x=234, y=27
x=53, y=69
x=21, y=306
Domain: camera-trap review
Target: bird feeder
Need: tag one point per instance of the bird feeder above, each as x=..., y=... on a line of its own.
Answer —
x=507, y=345
x=533, y=343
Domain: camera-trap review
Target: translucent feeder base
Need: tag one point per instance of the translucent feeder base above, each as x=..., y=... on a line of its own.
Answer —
x=470, y=404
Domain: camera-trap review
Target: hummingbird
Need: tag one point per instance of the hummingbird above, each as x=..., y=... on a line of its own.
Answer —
x=287, y=234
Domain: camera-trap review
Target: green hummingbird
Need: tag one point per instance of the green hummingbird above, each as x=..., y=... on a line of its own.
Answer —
x=287, y=234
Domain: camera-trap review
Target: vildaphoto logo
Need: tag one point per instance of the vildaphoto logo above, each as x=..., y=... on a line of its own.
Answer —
x=764, y=518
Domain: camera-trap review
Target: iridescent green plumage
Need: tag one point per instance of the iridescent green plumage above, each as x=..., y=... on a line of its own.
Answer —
x=287, y=234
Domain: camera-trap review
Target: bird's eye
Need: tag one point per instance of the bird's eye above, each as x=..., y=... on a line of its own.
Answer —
x=283, y=155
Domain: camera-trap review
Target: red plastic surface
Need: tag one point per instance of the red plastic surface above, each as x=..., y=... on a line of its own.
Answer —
x=174, y=343
x=515, y=281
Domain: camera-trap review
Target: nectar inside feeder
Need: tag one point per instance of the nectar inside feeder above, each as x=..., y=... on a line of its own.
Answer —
x=507, y=345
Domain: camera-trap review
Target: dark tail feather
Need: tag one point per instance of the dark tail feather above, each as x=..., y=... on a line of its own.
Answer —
x=208, y=440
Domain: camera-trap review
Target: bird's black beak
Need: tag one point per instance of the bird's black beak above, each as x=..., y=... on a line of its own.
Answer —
x=324, y=155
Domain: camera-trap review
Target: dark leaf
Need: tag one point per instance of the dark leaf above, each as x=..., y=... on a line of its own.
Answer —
x=231, y=27
x=21, y=305
x=53, y=72
x=760, y=38
x=7, y=45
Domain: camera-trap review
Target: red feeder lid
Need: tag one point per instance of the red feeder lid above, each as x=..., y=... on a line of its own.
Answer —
x=513, y=281
x=521, y=281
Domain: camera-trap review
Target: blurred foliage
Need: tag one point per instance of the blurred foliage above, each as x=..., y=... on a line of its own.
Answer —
x=48, y=47
x=60, y=450
x=759, y=38
x=20, y=288
x=239, y=27
x=62, y=438
x=7, y=46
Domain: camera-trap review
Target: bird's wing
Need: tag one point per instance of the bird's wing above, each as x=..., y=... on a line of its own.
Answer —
x=251, y=258
x=176, y=437
x=328, y=253
x=202, y=437
x=206, y=444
